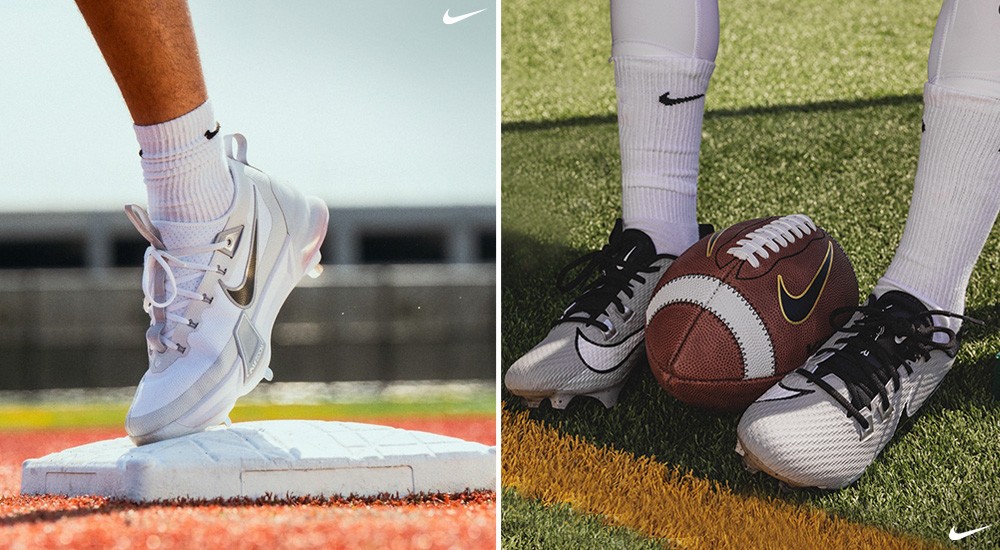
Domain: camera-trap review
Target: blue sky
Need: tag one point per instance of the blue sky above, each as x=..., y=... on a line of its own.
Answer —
x=362, y=102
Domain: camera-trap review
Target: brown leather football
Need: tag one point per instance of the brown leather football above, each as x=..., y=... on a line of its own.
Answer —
x=744, y=306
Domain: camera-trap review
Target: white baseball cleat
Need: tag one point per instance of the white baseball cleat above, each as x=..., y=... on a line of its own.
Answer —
x=211, y=344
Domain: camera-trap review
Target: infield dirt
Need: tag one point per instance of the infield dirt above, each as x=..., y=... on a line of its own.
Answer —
x=467, y=520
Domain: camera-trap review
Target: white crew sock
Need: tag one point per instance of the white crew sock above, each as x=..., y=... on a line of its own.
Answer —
x=186, y=174
x=956, y=198
x=659, y=145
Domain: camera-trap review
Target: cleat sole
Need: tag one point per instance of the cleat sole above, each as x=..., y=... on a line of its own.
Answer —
x=559, y=401
x=608, y=397
x=747, y=465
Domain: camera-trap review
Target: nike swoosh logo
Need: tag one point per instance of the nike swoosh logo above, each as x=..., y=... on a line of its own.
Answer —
x=797, y=309
x=449, y=20
x=953, y=535
x=243, y=294
x=212, y=133
x=596, y=357
x=668, y=101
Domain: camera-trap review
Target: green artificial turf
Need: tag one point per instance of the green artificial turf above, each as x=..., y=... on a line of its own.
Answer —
x=526, y=524
x=554, y=63
x=804, y=116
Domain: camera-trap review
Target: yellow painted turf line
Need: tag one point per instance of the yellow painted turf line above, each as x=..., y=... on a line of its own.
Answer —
x=663, y=502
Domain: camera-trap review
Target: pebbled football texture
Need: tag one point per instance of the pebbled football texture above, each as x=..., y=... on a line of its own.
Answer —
x=720, y=330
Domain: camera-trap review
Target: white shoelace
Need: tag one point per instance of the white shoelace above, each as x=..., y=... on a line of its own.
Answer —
x=779, y=233
x=177, y=298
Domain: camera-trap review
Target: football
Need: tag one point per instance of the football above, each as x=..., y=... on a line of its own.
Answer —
x=744, y=306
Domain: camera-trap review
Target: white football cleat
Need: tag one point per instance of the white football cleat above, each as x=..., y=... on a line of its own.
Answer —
x=823, y=424
x=210, y=346
x=599, y=338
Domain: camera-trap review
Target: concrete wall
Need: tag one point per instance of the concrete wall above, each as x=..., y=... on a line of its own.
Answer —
x=85, y=328
x=464, y=234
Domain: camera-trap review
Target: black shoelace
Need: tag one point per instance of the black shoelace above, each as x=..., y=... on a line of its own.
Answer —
x=616, y=270
x=866, y=365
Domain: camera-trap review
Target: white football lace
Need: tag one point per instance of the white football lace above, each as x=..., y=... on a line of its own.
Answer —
x=779, y=233
x=177, y=298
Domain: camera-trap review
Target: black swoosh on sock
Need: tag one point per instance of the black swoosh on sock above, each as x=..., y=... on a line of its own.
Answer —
x=668, y=101
x=211, y=133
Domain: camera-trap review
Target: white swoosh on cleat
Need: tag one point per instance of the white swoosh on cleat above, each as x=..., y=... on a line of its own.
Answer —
x=449, y=20
x=959, y=536
x=599, y=358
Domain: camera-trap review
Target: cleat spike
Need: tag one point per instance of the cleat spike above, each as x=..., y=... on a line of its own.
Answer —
x=268, y=374
x=315, y=271
x=560, y=401
x=532, y=403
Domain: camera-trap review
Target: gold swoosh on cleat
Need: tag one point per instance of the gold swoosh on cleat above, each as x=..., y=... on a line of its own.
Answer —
x=243, y=294
x=797, y=308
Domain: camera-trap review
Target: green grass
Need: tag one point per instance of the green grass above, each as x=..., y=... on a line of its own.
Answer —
x=91, y=415
x=832, y=131
x=527, y=524
x=772, y=52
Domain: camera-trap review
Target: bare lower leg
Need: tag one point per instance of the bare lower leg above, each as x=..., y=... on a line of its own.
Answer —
x=150, y=47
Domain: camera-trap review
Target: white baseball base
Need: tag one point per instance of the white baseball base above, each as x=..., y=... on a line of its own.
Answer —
x=279, y=458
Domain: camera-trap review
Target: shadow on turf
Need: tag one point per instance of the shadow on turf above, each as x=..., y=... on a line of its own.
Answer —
x=834, y=105
x=646, y=420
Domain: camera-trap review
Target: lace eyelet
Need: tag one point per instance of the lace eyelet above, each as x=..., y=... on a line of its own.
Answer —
x=192, y=323
x=611, y=331
x=867, y=432
x=221, y=270
x=887, y=412
x=627, y=313
x=181, y=349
